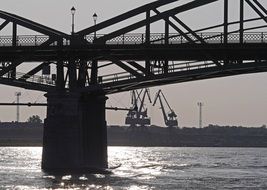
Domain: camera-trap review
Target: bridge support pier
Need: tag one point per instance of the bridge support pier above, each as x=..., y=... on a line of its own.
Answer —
x=75, y=133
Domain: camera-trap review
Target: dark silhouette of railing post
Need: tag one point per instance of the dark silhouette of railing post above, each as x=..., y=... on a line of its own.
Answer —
x=225, y=28
x=241, y=36
x=147, y=41
x=166, y=41
x=241, y=32
x=14, y=44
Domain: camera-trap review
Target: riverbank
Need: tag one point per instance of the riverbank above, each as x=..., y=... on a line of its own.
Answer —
x=23, y=134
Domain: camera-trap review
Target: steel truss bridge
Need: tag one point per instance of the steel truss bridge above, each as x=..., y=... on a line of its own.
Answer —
x=121, y=60
x=145, y=59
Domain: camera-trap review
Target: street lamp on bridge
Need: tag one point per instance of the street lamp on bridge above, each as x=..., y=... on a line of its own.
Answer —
x=73, y=10
x=95, y=19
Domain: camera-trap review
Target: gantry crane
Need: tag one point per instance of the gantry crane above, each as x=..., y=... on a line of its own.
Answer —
x=137, y=115
x=170, y=119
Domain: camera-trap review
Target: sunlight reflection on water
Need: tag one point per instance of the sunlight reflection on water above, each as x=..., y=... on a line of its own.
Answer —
x=144, y=168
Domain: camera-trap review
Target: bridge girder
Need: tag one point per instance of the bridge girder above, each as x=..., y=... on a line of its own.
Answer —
x=116, y=53
x=80, y=57
x=183, y=76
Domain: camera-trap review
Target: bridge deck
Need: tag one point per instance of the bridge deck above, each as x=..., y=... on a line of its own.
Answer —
x=138, y=52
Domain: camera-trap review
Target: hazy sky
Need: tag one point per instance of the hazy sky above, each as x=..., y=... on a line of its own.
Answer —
x=238, y=100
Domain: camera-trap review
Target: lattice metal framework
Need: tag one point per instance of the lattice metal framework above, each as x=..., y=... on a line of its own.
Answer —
x=122, y=60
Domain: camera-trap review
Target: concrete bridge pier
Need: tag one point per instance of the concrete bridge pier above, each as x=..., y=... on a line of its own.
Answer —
x=75, y=133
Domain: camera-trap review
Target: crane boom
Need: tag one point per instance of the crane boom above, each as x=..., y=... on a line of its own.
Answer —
x=143, y=99
x=158, y=97
x=170, y=119
x=166, y=101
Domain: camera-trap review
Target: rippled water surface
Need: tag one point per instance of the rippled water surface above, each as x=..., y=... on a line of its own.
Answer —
x=145, y=168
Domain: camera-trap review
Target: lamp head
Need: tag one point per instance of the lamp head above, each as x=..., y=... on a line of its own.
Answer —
x=95, y=16
x=72, y=10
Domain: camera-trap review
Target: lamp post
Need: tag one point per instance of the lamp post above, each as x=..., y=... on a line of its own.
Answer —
x=95, y=19
x=73, y=10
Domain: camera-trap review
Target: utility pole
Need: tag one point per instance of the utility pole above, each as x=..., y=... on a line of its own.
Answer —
x=17, y=94
x=200, y=105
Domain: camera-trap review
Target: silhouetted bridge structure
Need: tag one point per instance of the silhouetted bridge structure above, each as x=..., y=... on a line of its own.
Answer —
x=89, y=65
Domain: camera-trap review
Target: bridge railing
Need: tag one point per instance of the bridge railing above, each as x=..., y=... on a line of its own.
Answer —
x=24, y=40
x=175, y=38
x=40, y=79
x=139, y=38
x=157, y=69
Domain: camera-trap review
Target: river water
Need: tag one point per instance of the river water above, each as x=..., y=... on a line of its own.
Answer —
x=144, y=168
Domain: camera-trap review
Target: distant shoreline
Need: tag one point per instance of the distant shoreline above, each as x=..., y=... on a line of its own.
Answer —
x=31, y=135
x=34, y=145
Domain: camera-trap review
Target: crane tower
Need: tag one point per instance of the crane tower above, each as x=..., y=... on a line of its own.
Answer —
x=137, y=116
x=170, y=118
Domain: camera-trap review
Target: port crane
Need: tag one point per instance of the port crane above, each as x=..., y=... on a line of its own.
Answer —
x=170, y=118
x=137, y=115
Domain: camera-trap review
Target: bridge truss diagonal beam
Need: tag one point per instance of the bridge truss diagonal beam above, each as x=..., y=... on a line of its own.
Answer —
x=257, y=10
x=260, y=6
x=34, y=71
x=26, y=85
x=165, y=14
x=175, y=27
x=194, y=34
x=139, y=67
x=185, y=34
x=31, y=24
x=48, y=42
x=125, y=67
x=3, y=25
x=124, y=16
x=12, y=66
